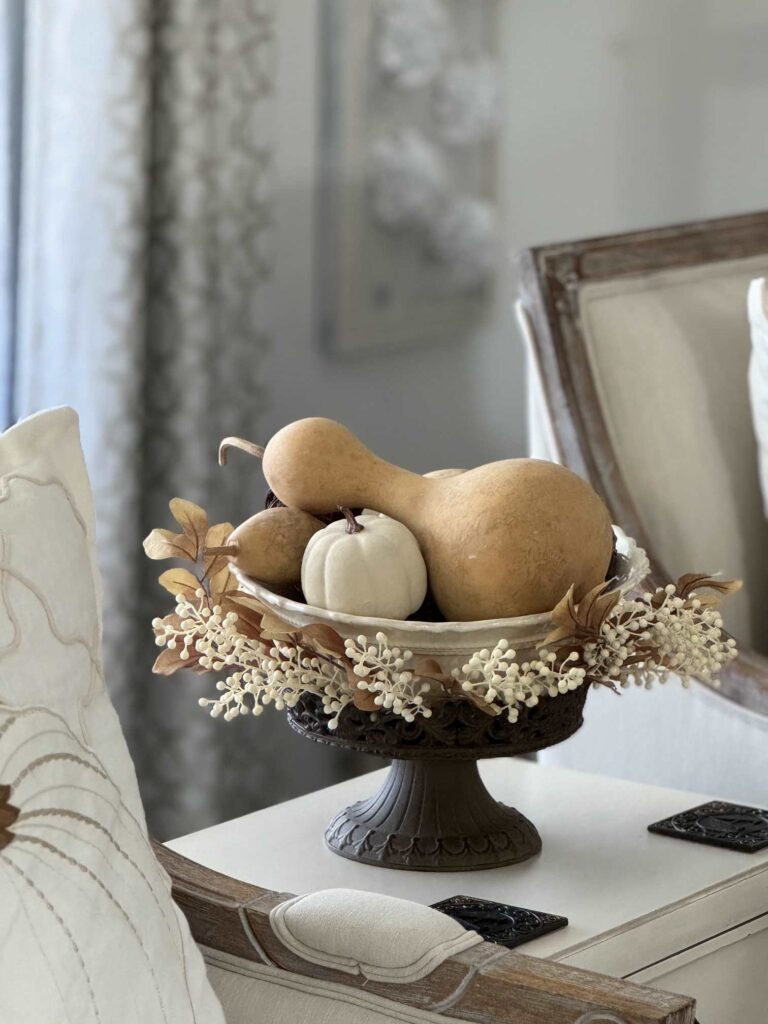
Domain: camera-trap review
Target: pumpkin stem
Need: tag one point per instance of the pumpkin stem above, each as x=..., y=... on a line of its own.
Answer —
x=239, y=442
x=352, y=524
x=226, y=549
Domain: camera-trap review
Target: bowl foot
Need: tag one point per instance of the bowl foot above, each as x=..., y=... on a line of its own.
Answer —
x=433, y=816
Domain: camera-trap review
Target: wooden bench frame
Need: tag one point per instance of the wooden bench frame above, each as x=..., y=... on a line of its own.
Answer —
x=486, y=984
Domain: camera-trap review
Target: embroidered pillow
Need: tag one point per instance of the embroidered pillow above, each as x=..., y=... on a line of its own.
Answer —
x=50, y=658
x=87, y=926
x=50, y=614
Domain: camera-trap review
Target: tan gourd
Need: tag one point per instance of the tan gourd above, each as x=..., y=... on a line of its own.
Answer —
x=270, y=545
x=439, y=474
x=504, y=539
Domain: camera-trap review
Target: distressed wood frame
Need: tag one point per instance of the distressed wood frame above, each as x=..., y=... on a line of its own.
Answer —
x=550, y=278
x=486, y=984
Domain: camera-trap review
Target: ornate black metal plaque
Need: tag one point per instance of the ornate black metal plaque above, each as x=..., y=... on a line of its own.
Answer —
x=499, y=922
x=719, y=824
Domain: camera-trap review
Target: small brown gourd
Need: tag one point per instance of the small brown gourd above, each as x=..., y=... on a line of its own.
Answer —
x=505, y=539
x=270, y=546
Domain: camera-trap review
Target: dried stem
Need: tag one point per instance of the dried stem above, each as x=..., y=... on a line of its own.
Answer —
x=352, y=524
x=256, y=450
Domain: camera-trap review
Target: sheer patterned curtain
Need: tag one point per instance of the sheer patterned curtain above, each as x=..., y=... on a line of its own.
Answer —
x=138, y=219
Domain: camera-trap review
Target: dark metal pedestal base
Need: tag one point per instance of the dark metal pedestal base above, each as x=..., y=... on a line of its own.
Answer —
x=433, y=816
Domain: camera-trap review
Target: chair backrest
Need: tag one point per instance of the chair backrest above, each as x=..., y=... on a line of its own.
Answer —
x=258, y=977
x=642, y=347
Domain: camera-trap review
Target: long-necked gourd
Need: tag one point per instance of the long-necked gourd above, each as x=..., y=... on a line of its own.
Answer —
x=270, y=545
x=505, y=539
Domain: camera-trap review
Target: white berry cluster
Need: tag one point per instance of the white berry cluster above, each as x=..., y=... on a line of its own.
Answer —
x=639, y=641
x=659, y=635
x=264, y=673
x=382, y=670
x=503, y=683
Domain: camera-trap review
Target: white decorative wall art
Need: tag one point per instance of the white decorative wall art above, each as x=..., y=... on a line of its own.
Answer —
x=408, y=179
x=467, y=101
x=408, y=227
x=413, y=39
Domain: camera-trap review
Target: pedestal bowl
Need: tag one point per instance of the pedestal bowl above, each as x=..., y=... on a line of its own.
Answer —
x=433, y=812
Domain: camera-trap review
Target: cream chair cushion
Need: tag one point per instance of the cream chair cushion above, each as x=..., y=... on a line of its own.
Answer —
x=758, y=377
x=381, y=937
x=87, y=924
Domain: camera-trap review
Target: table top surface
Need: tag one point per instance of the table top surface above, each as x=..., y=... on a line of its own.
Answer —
x=599, y=867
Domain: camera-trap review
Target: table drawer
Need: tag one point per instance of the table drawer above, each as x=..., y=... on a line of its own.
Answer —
x=726, y=975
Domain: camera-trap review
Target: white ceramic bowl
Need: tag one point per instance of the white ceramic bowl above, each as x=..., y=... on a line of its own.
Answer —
x=452, y=643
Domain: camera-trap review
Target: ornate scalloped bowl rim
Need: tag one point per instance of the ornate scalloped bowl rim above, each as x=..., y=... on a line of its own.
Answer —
x=437, y=637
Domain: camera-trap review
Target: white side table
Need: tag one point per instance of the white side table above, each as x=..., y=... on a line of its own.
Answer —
x=688, y=918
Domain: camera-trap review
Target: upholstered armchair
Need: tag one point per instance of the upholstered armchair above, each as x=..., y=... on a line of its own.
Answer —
x=638, y=349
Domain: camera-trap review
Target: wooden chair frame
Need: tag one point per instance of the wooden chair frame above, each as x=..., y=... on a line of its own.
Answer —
x=550, y=278
x=486, y=984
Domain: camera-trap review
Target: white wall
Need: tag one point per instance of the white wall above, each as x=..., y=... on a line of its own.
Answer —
x=621, y=114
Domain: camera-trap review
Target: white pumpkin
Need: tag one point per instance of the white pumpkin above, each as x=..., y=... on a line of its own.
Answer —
x=366, y=565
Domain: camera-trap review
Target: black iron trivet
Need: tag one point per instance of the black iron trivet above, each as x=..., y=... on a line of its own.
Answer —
x=499, y=922
x=719, y=824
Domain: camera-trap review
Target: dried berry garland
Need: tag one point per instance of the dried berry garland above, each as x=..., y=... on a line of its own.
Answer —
x=605, y=639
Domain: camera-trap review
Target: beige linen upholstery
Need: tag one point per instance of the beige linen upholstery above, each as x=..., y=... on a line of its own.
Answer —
x=381, y=937
x=251, y=993
x=670, y=353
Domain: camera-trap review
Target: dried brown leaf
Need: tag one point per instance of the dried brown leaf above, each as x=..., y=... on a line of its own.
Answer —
x=555, y=638
x=692, y=581
x=166, y=544
x=275, y=628
x=608, y=684
x=179, y=581
x=364, y=700
x=248, y=618
x=192, y=519
x=221, y=582
x=492, y=710
x=564, y=612
x=429, y=668
x=323, y=637
x=595, y=608
x=168, y=662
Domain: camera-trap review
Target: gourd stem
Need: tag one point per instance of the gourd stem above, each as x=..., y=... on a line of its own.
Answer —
x=352, y=524
x=256, y=450
x=226, y=549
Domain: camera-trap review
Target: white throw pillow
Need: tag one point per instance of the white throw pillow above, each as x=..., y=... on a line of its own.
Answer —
x=50, y=613
x=758, y=377
x=81, y=892
x=88, y=931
